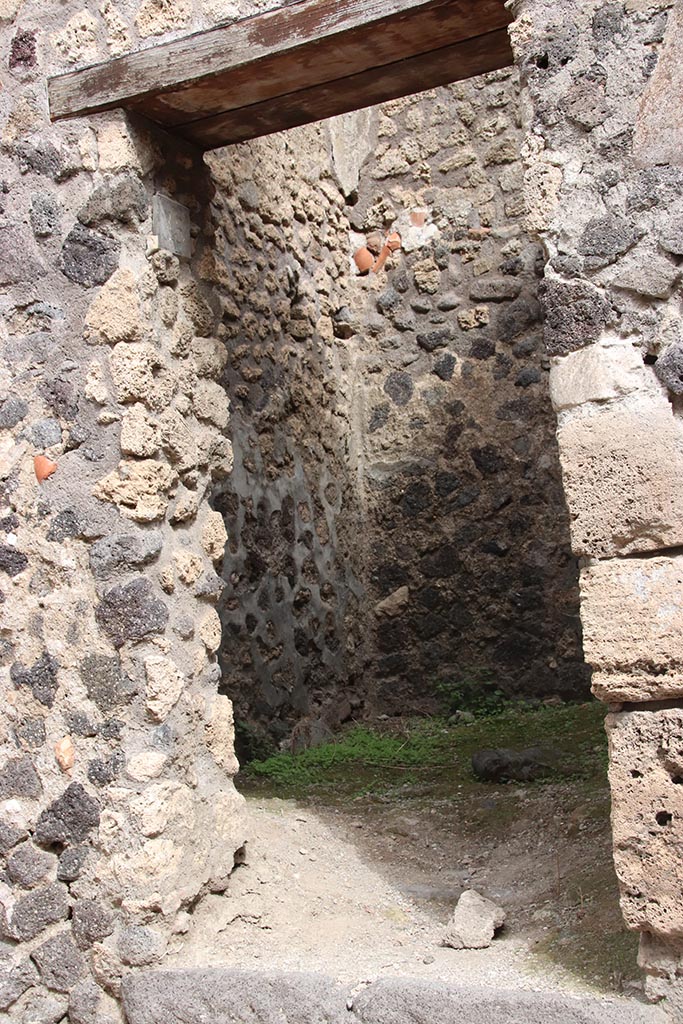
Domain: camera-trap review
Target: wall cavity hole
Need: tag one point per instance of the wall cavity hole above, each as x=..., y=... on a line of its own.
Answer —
x=649, y=359
x=677, y=780
x=542, y=61
x=635, y=774
x=663, y=818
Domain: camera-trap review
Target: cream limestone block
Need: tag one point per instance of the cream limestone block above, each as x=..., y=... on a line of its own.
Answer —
x=132, y=366
x=209, y=356
x=603, y=372
x=210, y=631
x=210, y=402
x=9, y=9
x=139, y=489
x=622, y=468
x=158, y=16
x=148, y=764
x=164, y=686
x=139, y=433
x=118, y=36
x=632, y=614
x=214, y=536
x=115, y=314
x=220, y=733
x=542, y=184
x=95, y=388
x=188, y=566
x=77, y=41
x=646, y=772
x=186, y=506
x=163, y=805
x=221, y=10
x=178, y=440
x=121, y=150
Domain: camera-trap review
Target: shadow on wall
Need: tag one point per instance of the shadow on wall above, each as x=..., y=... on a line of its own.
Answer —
x=468, y=562
x=396, y=514
x=291, y=607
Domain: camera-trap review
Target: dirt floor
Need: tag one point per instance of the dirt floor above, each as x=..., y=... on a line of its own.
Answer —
x=357, y=877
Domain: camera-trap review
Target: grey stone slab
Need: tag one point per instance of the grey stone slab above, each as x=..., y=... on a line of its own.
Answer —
x=396, y=1001
x=171, y=224
x=252, y=997
x=230, y=997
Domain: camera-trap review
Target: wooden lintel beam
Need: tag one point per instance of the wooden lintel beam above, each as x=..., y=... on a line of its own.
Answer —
x=306, y=46
x=489, y=52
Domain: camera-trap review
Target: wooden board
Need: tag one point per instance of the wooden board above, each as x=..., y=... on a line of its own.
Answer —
x=448, y=64
x=311, y=49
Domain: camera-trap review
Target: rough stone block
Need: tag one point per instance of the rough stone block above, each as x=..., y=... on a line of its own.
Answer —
x=658, y=136
x=632, y=612
x=68, y=819
x=106, y=684
x=646, y=776
x=91, y=922
x=89, y=258
x=576, y=314
x=125, y=551
x=622, y=468
x=32, y=914
x=131, y=612
x=28, y=866
x=598, y=373
x=59, y=963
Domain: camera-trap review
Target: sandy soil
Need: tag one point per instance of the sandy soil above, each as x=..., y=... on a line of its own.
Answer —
x=325, y=896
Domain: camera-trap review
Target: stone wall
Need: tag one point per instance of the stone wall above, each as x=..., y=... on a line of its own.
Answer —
x=395, y=514
x=290, y=608
x=604, y=183
x=468, y=569
x=117, y=809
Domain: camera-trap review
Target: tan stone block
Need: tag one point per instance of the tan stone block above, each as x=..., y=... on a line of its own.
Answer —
x=158, y=16
x=164, y=686
x=139, y=433
x=632, y=613
x=220, y=733
x=178, y=441
x=188, y=566
x=95, y=388
x=115, y=314
x=394, y=604
x=121, y=150
x=132, y=369
x=140, y=489
x=148, y=764
x=646, y=772
x=427, y=276
x=118, y=36
x=541, y=191
x=8, y=9
x=77, y=41
x=209, y=356
x=602, y=372
x=210, y=402
x=161, y=806
x=210, y=631
x=214, y=536
x=622, y=469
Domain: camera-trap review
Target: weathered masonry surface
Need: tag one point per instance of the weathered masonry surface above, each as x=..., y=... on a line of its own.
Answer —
x=117, y=810
x=395, y=514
